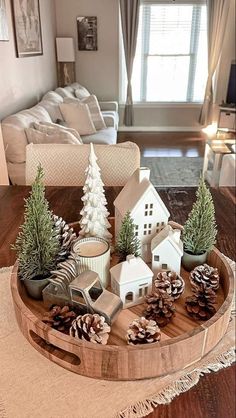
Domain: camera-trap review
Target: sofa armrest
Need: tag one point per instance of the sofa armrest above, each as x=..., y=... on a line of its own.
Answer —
x=109, y=121
x=109, y=106
x=65, y=164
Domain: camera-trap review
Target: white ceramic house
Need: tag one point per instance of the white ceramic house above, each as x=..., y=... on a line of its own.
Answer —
x=167, y=250
x=147, y=209
x=131, y=280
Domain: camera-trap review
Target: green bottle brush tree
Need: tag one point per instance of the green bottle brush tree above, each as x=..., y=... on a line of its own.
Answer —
x=37, y=244
x=127, y=242
x=199, y=232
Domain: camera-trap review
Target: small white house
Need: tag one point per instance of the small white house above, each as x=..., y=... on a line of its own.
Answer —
x=148, y=211
x=131, y=280
x=167, y=250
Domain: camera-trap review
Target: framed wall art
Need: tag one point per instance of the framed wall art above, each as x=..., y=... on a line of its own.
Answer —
x=4, y=34
x=27, y=27
x=87, y=33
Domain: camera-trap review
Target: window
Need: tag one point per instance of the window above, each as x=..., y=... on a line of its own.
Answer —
x=147, y=229
x=171, y=55
x=143, y=290
x=156, y=258
x=77, y=296
x=164, y=266
x=95, y=291
x=148, y=209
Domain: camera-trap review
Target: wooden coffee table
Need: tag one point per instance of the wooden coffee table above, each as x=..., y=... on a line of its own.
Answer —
x=214, y=396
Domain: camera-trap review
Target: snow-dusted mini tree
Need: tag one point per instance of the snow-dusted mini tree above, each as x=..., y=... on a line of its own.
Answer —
x=94, y=221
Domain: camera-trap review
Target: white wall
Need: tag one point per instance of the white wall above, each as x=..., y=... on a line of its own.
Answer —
x=97, y=70
x=24, y=80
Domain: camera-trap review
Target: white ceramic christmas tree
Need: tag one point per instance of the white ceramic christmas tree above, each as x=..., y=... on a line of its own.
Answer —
x=94, y=221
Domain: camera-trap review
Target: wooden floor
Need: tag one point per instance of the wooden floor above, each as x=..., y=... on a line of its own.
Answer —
x=162, y=144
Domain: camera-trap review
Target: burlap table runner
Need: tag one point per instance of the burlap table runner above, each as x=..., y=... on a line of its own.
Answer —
x=33, y=387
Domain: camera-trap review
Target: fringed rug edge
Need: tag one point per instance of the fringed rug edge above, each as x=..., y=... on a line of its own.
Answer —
x=146, y=406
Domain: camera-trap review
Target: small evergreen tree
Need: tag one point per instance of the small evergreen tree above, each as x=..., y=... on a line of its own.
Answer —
x=94, y=222
x=199, y=233
x=127, y=242
x=37, y=244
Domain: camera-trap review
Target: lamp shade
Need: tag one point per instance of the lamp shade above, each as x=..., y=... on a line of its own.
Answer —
x=65, y=50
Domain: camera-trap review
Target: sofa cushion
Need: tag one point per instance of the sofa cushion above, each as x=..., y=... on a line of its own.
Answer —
x=52, y=128
x=81, y=92
x=78, y=117
x=105, y=136
x=13, y=130
x=94, y=109
x=60, y=137
x=50, y=102
x=64, y=92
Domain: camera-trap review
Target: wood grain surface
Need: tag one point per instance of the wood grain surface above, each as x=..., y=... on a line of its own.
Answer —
x=214, y=396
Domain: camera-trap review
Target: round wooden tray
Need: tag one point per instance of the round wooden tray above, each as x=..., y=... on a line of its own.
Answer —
x=184, y=341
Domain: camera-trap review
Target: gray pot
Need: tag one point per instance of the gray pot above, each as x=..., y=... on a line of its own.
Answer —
x=190, y=261
x=35, y=287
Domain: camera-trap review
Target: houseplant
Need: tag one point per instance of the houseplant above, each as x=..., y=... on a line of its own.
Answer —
x=37, y=243
x=199, y=232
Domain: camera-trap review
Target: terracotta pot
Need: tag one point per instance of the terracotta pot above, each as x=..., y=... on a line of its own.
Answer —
x=34, y=287
x=190, y=261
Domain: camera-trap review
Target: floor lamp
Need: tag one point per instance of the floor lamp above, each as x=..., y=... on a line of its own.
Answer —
x=65, y=61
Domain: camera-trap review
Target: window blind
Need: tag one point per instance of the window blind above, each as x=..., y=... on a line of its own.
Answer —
x=171, y=55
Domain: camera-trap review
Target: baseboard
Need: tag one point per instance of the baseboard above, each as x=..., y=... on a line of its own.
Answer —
x=159, y=129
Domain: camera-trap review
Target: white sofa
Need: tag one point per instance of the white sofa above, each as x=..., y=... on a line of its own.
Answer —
x=47, y=110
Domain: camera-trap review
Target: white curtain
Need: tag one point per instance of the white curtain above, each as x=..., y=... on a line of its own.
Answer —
x=129, y=10
x=217, y=14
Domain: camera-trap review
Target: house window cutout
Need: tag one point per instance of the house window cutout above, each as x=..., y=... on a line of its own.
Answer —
x=143, y=290
x=156, y=257
x=129, y=297
x=148, y=209
x=164, y=266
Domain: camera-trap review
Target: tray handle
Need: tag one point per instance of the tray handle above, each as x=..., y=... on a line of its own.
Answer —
x=52, y=352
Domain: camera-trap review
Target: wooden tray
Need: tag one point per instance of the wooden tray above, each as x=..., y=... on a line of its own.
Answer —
x=184, y=341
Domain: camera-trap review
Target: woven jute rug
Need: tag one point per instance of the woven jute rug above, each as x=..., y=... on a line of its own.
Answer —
x=33, y=387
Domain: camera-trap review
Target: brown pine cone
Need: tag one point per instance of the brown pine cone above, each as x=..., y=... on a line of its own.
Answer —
x=205, y=274
x=171, y=282
x=160, y=307
x=143, y=331
x=60, y=318
x=201, y=304
x=90, y=327
x=66, y=236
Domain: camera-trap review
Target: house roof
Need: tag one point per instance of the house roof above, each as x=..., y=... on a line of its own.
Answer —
x=131, y=270
x=168, y=233
x=133, y=191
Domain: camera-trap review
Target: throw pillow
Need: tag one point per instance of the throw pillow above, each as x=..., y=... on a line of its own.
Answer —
x=77, y=116
x=94, y=109
x=81, y=92
x=60, y=137
x=53, y=128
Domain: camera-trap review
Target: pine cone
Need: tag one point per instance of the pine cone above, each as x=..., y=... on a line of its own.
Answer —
x=160, y=307
x=66, y=237
x=143, y=331
x=90, y=328
x=200, y=305
x=60, y=318
x=171, y=282
x=205, y=274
